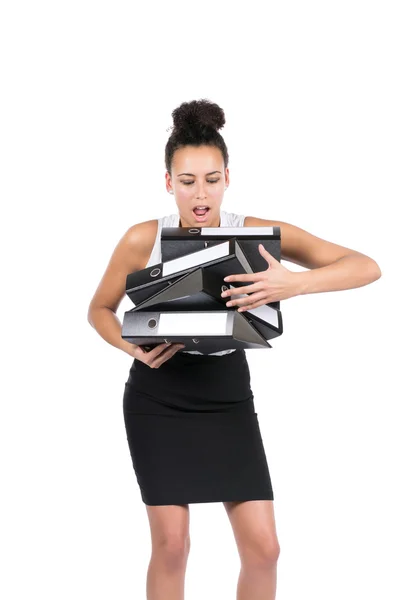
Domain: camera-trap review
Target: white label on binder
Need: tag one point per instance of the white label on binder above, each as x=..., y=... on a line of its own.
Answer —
x=195, y=258
x=266, y=313
x=204, y=323
x=237, y=231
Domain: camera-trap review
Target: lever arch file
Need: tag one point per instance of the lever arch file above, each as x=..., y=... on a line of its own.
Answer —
x=204, y=331
x=178, y=241
x=222, y=259
x=201, y=290
x=179, y=299
x=266, y=319
x=197, y=290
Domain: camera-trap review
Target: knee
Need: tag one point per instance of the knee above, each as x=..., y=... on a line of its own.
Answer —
x=172, y=549
x=261, y=552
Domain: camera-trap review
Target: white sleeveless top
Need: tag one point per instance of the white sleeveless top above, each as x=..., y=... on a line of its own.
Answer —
x=227, y=220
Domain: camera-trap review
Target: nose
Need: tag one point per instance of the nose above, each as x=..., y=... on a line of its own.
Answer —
x=200, y=193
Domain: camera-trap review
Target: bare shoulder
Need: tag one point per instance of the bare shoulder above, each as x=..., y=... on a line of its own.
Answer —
x=302, y=247
x=140, y=238
x=131, y=253
x=134, y=248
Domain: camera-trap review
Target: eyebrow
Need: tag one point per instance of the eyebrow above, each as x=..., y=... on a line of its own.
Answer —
x=191, y=174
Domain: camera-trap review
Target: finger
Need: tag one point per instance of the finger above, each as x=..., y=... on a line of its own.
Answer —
x=170, y=349
x=166, y=355
x=264, y=252
x=246, y=289
x=245, y=277
x=261, y=302
x=147, y=356
x=158, y=350
x=173, y=351
x=247, y=301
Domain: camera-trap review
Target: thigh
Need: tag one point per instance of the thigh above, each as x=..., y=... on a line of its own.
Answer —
x=254, y=527
x=169, y=524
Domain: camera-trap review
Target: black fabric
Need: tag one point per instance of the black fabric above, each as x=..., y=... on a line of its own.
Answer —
x=192, y=431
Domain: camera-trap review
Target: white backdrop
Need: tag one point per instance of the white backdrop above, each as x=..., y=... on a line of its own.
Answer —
x=310, y=92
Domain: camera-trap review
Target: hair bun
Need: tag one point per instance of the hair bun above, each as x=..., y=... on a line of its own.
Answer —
x=197, y=114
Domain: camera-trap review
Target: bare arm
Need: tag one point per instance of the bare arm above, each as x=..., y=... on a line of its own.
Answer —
x=109, y=327
x=331, y=267
x=130, y=254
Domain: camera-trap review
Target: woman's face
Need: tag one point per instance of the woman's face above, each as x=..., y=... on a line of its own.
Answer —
x=198, y=179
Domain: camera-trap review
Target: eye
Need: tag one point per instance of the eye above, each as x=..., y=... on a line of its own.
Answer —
x=208, y=180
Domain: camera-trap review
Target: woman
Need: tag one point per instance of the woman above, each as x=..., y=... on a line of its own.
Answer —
x=192, y=430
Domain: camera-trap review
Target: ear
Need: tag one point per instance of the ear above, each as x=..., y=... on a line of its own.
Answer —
x=168, y=183
x=226, y=177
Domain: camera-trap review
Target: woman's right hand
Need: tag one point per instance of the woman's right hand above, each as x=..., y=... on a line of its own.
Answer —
x=158, y=355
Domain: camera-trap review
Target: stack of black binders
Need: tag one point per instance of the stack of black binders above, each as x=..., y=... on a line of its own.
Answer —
x=179, y=300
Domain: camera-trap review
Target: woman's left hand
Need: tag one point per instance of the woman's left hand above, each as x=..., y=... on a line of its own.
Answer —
x=274, y=284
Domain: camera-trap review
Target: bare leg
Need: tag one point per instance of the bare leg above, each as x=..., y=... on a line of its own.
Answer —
x=253, y=524
x=169, y=525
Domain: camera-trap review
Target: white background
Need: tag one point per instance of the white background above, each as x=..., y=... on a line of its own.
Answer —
x=311, y=96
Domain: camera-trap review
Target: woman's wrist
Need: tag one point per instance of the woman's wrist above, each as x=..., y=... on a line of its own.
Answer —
x=300, y=283
x=128, y=348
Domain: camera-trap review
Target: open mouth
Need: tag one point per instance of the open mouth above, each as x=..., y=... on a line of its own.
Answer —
x=201, y=211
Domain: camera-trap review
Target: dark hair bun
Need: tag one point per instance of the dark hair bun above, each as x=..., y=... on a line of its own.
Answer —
x=197, y=114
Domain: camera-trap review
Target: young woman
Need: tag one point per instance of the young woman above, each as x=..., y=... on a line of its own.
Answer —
x=191, y=425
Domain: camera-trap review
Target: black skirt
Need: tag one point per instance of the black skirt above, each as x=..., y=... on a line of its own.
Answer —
x=192, y=431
